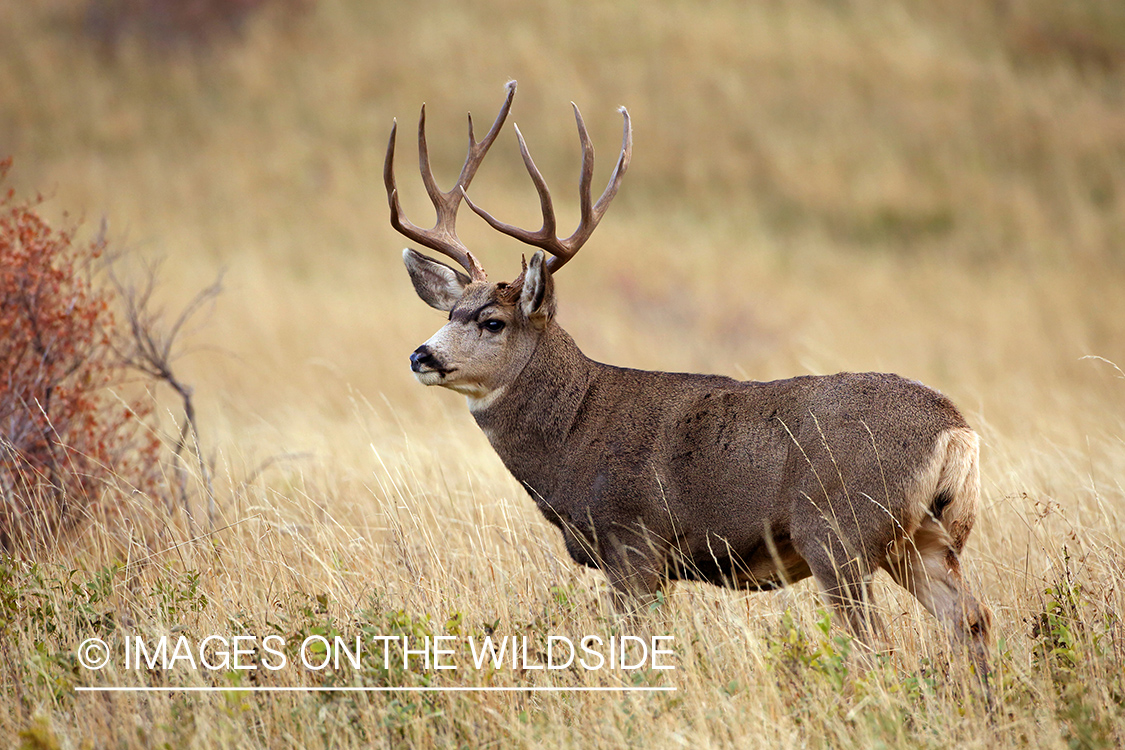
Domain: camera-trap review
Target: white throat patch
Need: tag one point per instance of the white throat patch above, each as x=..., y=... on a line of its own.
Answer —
x=480, y=403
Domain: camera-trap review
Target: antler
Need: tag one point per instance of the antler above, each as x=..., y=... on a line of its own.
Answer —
x=443, y=236
x=563, y=250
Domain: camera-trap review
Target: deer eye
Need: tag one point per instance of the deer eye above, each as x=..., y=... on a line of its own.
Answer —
x=493, y=326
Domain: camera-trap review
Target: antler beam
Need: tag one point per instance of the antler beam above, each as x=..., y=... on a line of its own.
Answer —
x=562, y=250
x=443, y=236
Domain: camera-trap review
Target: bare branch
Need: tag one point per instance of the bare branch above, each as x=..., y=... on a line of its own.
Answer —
x=151, y=349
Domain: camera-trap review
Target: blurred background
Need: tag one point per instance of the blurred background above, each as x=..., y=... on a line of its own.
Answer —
x=929, y=187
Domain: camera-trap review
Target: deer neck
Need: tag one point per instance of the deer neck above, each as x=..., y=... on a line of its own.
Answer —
x=529, y=421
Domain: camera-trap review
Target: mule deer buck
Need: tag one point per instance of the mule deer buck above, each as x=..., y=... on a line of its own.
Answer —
x=656, y=476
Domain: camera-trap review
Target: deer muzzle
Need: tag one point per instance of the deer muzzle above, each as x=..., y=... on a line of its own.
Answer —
x=426, y=366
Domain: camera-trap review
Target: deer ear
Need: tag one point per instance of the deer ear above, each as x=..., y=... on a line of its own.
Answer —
x=436, y=283
x=537, y=297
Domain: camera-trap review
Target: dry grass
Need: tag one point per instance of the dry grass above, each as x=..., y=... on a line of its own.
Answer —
x=929, y=188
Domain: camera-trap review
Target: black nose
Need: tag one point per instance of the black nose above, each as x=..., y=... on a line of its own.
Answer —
x=423, y=358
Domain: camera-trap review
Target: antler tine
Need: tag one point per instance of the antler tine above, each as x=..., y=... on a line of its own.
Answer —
x=563, y=250
x=587, y=176
x=545, y=236
x=477, y=151
x=443, y=236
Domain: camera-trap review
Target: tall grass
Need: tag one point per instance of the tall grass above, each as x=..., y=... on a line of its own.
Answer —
x=928, y=188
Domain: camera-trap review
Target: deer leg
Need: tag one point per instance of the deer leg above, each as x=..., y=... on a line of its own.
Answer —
x=629, y=561
x=846, y=584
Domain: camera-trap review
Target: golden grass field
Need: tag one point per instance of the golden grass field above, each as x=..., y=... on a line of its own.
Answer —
x=930, y=188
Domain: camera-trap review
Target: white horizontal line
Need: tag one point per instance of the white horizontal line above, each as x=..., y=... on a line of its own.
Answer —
x=374, y=689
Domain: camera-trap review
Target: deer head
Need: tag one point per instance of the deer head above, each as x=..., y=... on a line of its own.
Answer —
x=493, y=328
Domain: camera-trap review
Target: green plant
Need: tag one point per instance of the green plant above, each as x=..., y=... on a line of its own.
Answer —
x=1071, y=636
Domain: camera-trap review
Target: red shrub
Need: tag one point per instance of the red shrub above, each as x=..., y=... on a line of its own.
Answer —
x=64, y=438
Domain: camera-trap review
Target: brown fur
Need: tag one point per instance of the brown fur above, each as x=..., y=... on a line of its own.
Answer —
x=655, y=476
